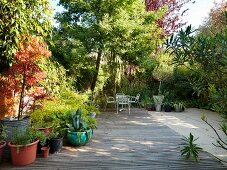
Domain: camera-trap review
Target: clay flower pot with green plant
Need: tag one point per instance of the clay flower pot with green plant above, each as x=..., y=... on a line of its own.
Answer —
x=42, y=136
x=23, y=146
x=78, y=133
x=3, y=136
x=43, y=146
x=42, y=120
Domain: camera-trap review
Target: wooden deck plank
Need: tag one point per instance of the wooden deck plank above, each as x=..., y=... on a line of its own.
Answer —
x=123, y=141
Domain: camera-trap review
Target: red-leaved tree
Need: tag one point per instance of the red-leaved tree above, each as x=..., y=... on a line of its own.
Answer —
x=25, y=71
x=172, y=20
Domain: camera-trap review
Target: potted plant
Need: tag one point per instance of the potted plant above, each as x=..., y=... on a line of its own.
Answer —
x=55, y=141
x=42, y=121
x=178, y=107
x=21, y=81
x=25, y=73
x=167, y=107
x=23, y=146
x=45, y=151
x=161, y=73
x=42, y=147
x=78, y=133
x=3, y=136
x=42, y=136
x=158, y=102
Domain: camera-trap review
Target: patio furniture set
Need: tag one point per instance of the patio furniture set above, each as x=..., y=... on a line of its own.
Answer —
x=124, y=101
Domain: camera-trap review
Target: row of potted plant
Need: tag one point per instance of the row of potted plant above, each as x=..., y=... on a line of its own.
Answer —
x=24, y=142
x=167, y=107
x=50, y=107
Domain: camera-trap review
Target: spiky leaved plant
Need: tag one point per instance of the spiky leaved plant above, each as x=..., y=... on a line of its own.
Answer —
x=190, y=149
x=78, y=123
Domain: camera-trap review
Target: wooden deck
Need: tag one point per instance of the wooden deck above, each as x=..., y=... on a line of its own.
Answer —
x=123, y=141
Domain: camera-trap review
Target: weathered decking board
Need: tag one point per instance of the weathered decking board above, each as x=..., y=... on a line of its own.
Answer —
x=123, y=141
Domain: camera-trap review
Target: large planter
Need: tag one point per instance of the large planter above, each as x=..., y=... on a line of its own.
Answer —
x=79, y=138
x=23, y=154
x=2, y=146
x=12, y=125
x=158, y=107
x=55, y=144
x=158, y=102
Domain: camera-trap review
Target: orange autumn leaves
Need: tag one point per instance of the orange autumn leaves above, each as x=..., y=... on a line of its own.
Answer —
x=26, y=66
x=25, y=71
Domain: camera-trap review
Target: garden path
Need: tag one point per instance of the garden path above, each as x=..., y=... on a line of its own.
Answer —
x=190, y=121
x=122, y=141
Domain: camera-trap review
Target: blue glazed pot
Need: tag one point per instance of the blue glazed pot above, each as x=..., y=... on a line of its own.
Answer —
x=79, y=138
x=89, y=133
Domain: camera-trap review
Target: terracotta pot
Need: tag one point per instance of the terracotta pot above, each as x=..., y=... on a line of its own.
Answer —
x=12, y=125
x=2, y=145
x=26, y=154
x=46, y=130
x=45, y=151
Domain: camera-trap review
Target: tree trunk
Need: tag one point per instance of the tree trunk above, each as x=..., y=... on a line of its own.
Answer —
x=97, y=66
x=20, y=110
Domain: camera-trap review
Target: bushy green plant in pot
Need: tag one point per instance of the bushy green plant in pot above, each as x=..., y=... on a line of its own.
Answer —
x=3, y=136
x=23, y=146
x=42, y=147
x=79, y=133
x=41, y=120
x=178, y=107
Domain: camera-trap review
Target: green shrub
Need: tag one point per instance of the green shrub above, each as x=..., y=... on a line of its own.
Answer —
x=56, y=79
x=218, y=99
x=57, y=112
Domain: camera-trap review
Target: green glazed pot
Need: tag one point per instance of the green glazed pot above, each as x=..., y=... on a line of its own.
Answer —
x=79, y=138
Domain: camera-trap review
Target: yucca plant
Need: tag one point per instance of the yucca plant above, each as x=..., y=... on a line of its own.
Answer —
x=190, y=149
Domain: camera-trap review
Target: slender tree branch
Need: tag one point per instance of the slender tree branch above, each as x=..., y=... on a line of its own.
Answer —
x=215, y=132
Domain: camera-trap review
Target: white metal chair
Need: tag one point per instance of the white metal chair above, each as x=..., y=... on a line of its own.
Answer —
x=111, y=100
x=122, y=100
x=134, y=99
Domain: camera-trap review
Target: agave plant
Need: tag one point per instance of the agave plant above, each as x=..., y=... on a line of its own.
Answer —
x=190, y=149
x=78, y=123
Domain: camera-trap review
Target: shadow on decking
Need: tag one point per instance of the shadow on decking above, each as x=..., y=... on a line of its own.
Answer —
x=123, y=141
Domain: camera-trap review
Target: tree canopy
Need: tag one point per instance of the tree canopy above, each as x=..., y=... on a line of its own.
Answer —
x=18, y=18
x=105, y=30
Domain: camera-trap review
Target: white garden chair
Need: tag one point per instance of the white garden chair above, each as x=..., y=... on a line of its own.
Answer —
x=111, y=100
x=122, y=100
x=135, y=99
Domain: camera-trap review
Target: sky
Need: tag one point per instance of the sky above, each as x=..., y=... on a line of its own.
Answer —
x=199, y=11
x=195, y=15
